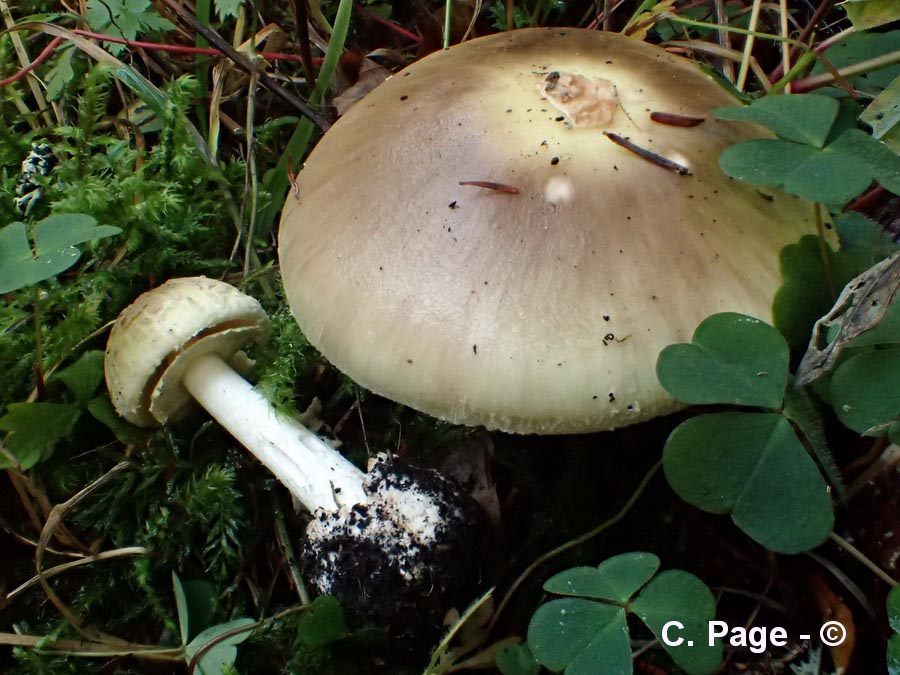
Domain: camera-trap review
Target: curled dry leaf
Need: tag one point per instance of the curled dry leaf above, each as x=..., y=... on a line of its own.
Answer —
x=469, y=463
x=371, y=74
x=833, y=608
x=861, y=306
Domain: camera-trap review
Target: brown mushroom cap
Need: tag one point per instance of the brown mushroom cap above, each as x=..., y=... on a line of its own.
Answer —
x=541, y=311
x=157, y=337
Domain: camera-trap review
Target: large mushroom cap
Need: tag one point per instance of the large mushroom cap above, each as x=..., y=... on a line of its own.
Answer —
x=542, y=310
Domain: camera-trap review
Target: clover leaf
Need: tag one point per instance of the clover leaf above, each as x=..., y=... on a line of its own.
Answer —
x=868, y=410
x=749, y=465
x=893, y=610
x=817, y=155
x=732, y=358
x=55, y=248
x=753, y=467
x=579, y=636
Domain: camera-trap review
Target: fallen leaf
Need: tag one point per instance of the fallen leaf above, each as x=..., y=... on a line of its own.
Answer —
x=370, y=76
x=833, y=608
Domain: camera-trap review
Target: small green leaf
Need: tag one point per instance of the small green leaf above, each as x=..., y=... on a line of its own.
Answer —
x=863, y=237
x=893, y=608
x=35, y=429
x=893, y=655
x=883, y=113
x=863, y=46
x=55, y=241
x=866, y=14
x=865, y=391
x=196, y=602
x=83, y=377
x=180, y=607
x=616, y=579
x=580, y=637
x=517, y=660
x=19, y=268
x=805, y=118
x=61, y=231
x=804, y=296
x=859, y=148
x=732, y=358
x=676, y=595
x=323, y=623
x=223, y=653
x=102, y=410
x=764, y=161
x=226, y=9
x=61, y=73
x=752, y=466
x=829, y=176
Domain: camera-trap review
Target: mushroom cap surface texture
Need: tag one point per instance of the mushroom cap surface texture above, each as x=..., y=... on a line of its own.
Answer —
x=156, y=338
x=539, y=310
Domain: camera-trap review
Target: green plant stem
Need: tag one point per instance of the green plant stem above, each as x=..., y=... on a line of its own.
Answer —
x=290, y=559
x=861, y=557
x=252, y=183
x=38, y=344
x=801, y=65
x=292, y=157
x=856, y=70
x=572, y=543
x=727, y=29
x=441, y=649
x=448, y=6
x=87, y=649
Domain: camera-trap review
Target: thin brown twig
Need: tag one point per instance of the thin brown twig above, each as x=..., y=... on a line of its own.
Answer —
x=651, y=157
x=247, y=66
x=301, y=21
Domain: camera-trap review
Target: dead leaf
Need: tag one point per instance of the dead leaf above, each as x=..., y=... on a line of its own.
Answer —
x=469, y=464
x=862, y=305
x=833, y=608
x=370, y=75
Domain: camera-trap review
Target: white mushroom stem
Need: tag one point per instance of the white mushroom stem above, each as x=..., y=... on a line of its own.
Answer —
x=315, y=473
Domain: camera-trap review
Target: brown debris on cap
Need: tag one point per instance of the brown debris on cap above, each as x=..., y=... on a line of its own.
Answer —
x=569, y=288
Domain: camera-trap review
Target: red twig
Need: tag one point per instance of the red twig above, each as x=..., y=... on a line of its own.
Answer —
x=43, y=56
x=384, y=22
x=821, y=10
x=138, y=44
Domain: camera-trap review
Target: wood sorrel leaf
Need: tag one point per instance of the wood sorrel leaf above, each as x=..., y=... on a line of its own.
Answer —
x=752, y=466
x=805, y=119
x=676, y=595
x=616, y=579
x=581, y=637
x=55, y=241
x=733, y=358
x=865, y=391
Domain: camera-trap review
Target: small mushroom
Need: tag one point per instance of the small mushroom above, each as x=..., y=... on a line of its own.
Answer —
x=397, y=540
x=603, y=235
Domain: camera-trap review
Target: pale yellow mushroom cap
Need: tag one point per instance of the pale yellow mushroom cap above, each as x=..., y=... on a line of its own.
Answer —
x=542, y=311
x=157, y=337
